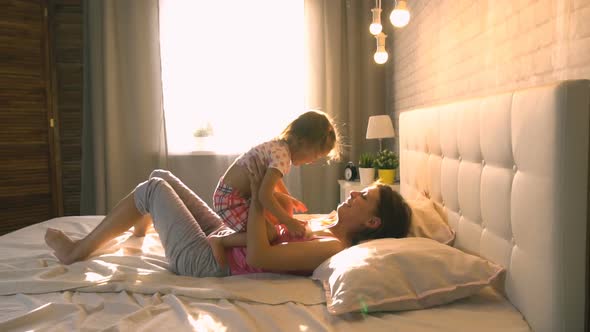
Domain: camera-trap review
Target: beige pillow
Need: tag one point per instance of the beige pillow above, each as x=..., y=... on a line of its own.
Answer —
x=429, y=220
x=401, y=274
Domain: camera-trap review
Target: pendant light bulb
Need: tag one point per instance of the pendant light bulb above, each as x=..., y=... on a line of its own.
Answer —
x=375, y=28
x=380, y=55
x=400, y=15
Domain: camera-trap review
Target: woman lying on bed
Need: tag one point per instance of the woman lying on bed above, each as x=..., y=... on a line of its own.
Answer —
x=183, y=222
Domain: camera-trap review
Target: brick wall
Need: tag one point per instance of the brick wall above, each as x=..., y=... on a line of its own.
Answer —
x=456, y=49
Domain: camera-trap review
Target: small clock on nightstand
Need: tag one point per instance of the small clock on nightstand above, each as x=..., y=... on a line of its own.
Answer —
x=350, y=172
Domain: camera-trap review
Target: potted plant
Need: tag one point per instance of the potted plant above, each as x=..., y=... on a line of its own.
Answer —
x=202, y=135
x=366, y=168
x=386, y=162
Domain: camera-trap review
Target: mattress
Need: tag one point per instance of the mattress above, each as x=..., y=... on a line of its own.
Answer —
x=125, y=286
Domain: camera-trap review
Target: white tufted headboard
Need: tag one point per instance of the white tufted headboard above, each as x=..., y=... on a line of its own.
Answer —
x=512, y=172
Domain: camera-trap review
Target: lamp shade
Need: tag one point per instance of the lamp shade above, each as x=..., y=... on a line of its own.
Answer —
x=380, y=126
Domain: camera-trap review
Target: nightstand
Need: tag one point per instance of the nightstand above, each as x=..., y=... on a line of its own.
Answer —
x=347, y=186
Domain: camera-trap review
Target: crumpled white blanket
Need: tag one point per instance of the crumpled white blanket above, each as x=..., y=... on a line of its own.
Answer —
x=125, y=287
x=133, y=264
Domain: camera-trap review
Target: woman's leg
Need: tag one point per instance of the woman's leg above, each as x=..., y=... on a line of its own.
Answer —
x=207, y=218
x=181, y=233
x=185, y=244
x=121, y=218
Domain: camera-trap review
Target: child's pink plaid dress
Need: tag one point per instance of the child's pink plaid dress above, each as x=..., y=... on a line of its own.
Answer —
x=228, y=202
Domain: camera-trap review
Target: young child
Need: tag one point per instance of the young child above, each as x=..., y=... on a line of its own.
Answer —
x=308, y=138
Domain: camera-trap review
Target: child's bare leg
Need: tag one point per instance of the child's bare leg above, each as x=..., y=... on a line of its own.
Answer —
x=140, y=227
x=218, y=245
x=121, y=218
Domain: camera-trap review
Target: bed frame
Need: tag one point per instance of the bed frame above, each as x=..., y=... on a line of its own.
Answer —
x=512, y=172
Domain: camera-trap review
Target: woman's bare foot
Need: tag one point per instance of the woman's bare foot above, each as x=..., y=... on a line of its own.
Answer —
x=61, y=244
x=215, y=242
x=140, y=228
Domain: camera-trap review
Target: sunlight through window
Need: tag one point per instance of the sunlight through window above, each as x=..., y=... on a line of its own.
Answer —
x=232, y=72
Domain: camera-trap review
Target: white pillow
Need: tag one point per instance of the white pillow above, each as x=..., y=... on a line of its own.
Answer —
x=429, y=220
x=401, y=274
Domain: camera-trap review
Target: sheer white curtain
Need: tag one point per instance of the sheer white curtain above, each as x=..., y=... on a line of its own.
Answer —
x=343, y=80
x=123, y=132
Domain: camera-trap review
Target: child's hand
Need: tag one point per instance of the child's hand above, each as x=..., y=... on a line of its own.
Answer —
x=296, y=227
x=271, y=232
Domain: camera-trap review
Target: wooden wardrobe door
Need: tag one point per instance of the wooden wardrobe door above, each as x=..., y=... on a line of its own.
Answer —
x=66, y=31
x=27, y=179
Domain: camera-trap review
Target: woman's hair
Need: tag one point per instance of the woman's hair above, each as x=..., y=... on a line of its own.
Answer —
x=314, y=129
x=395, y=215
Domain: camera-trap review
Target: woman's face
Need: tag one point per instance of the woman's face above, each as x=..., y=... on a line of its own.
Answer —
x=360, y=206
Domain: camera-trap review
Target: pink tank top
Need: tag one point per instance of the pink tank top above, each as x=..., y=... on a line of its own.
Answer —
x=237, y=256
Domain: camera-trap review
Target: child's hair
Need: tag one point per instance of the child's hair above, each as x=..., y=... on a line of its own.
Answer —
x=316, y=129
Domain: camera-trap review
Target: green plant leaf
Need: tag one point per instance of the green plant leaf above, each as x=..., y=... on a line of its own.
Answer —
x=366, y=160
x=386, y=159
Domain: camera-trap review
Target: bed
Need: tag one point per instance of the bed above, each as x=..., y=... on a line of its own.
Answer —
x=509, y=170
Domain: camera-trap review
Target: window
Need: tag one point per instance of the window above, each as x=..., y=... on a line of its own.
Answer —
x=232, y=72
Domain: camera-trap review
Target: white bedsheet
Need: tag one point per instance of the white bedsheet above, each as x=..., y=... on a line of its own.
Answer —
x=126, y=286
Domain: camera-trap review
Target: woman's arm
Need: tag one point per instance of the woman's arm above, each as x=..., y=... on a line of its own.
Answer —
x=282, y=188
x=266, y=194
x=292, y=256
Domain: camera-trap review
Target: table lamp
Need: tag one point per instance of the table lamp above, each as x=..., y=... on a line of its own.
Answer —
x=380, y=127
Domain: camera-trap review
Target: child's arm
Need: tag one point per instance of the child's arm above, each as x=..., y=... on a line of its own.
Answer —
x=269, y=202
